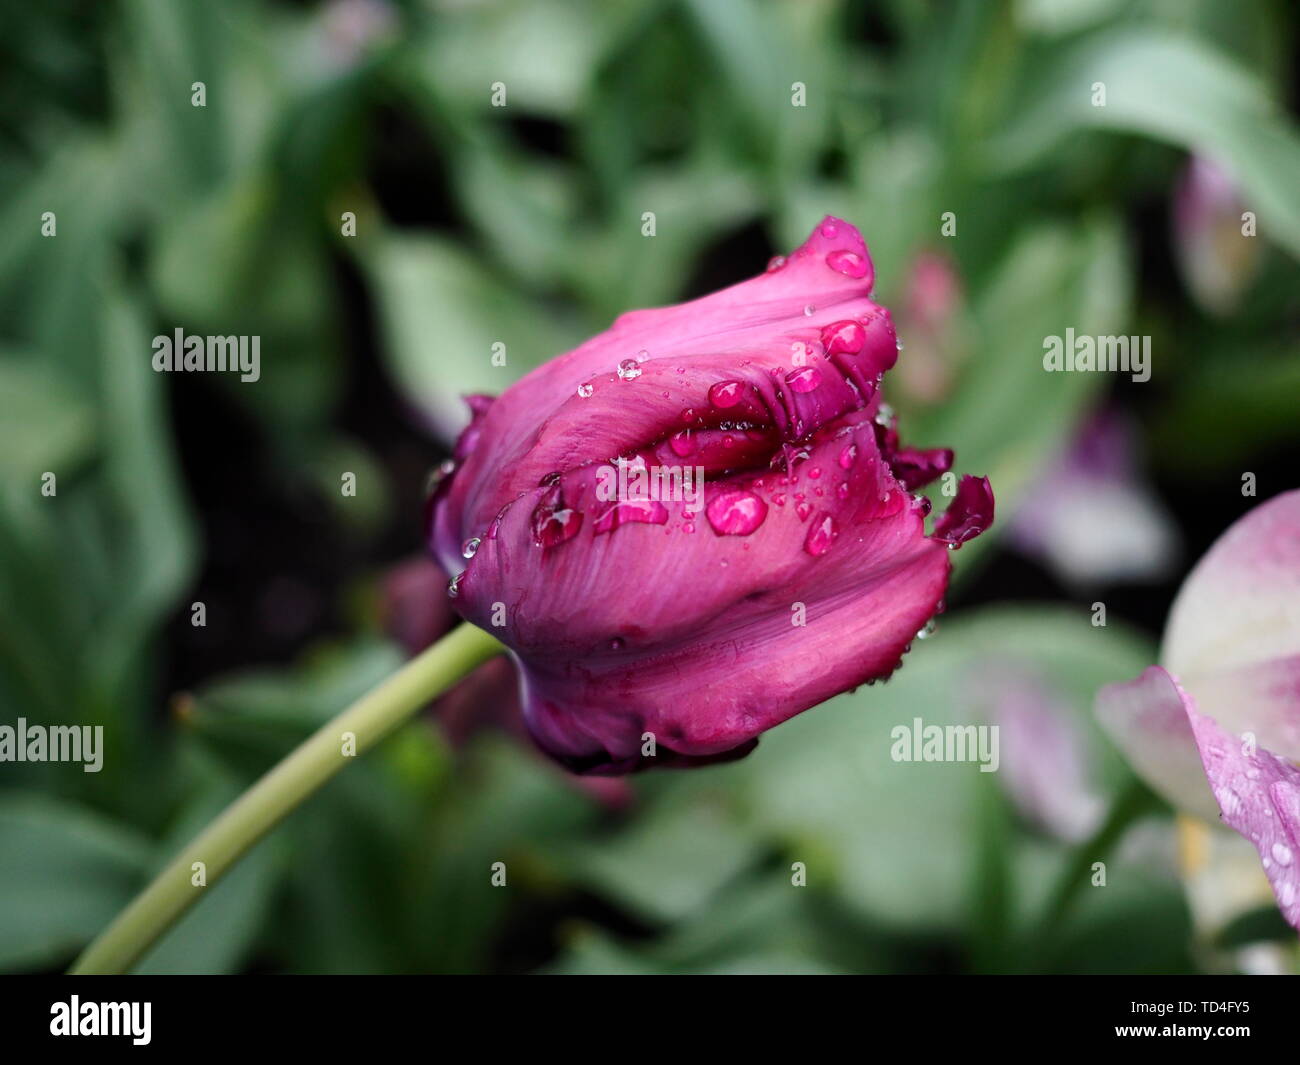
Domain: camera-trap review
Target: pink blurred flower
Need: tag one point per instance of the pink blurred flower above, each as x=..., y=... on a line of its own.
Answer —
x=1217, y=730
x=932, y=322
x=802, y=570
x=1090, y=516
x=1216, y=257
x=1046, y=766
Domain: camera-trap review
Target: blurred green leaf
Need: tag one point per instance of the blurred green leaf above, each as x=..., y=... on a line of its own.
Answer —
x=441, y=314
x=1007, y=415
x=44, y=423
x=895, y=840
x=66, y=872
x=670, y=863
x=1176, y=90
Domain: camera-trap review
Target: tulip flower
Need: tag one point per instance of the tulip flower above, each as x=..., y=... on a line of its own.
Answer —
x=1216, y=729
x=658, y=628
x=671, y=628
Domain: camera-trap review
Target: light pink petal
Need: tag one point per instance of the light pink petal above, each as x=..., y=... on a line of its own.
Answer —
x=1240, y=606
x=1261, y=699
x=1147, y=720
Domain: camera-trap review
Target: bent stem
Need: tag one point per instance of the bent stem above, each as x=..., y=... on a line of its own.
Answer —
x=279, y=792
x=1132, y=801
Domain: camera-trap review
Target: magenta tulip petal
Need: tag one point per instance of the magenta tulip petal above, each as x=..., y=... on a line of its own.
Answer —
x=1147, y=720
x=655, y=629
x=689, y=632
x=1259, y=794
x=969, y=514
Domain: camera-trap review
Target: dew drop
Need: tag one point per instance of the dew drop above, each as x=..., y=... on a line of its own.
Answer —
x=1282, y=854
x=470, y=547
x=845, y=336
x=585, y=389
x=848, y=263
x=848, y=456
x=453, y=586
x=927, y=630
x=726, y=393
x=735, y=512
x=805, y=380
x=629, y=370
x=809, y=310
x=553, y=523
x=682, y=443
x=820, y=536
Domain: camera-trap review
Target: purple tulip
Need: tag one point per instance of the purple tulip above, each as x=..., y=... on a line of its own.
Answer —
x=1218, y=731
x=671, y=622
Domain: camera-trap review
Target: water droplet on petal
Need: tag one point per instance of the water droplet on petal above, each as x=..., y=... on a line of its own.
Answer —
x=845, y=336
x=927, y=630
x=453, y=586
x=803, y=510
x=735, y=512
x=726, y=393
x=1282, y=854
x=809, y=310
x=629, y=370
x=848, y=456
x=470, y=547
x=830, y=230
x=821, y=534
x=682, y=443
x=640, y=511
x=553, y=523
x=775, y=263
x=805, y=380
x=585, y=389
x=848, y=263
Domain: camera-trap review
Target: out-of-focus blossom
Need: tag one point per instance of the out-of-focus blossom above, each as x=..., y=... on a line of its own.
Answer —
x=1089, y=515
x=1045, y=762
x=672, y=631
x=1216, y=257
x=1218, y=731
x=931, y=320
x=351, y=28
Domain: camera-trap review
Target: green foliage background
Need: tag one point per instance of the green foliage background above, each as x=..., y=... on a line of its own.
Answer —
x=226, y=219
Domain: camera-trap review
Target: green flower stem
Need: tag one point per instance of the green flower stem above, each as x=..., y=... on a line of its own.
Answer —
x=279, y=793
x=1133, y=801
